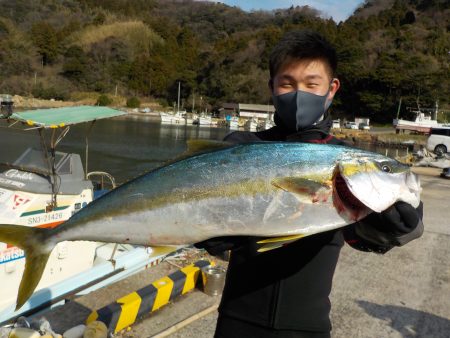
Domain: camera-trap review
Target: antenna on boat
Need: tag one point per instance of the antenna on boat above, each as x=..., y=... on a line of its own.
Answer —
x=417, y=100
x=399, y=106
x=179, y=86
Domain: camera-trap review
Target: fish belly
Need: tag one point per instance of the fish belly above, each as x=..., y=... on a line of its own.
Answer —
x=268, y=215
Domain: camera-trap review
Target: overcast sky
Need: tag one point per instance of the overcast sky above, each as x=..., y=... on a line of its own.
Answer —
x=339, y=10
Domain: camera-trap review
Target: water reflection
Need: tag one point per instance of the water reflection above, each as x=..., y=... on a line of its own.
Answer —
x=124, y=147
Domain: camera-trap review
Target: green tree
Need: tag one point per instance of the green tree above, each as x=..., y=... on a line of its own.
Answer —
x=45, y=38
x=133, y=102
x=75, y=64
x=103, y=100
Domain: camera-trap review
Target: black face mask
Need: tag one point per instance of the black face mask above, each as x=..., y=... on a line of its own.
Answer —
x=300, y=109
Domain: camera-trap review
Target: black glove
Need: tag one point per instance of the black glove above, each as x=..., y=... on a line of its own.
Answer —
x=216, y=246
x=380, y=232
x=396, y=226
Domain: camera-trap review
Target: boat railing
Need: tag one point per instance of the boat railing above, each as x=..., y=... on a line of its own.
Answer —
x=103, y=175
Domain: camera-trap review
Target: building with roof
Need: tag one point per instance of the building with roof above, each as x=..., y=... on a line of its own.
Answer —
x=248, y=111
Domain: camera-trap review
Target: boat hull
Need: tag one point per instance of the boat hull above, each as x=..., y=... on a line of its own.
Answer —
x=29, y=209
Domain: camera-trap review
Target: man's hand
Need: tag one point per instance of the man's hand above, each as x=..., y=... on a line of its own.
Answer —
x=396, y=226
x=380, y=232
x=401, y=218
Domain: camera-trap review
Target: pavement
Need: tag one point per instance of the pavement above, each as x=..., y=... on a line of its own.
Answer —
x=403, y=293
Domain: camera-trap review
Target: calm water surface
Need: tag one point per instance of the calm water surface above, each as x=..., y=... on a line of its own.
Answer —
x=124, y=147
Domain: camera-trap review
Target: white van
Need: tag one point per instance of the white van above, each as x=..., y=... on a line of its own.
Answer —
x=351, y=125
x=439, y=140
x=336, y=124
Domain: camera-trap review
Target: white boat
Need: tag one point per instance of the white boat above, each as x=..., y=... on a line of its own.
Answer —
x=189, y=118
x=203, y=120
x=251, y=125
x=266, y=124
x=233, y=123
x=422, y=123
x=173, y=118
x=45, y=187
x=179, y=117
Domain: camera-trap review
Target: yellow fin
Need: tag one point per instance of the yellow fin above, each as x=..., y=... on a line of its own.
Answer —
x=268, y=247
x=281, y=239
x=277, y=242
x=199, y=145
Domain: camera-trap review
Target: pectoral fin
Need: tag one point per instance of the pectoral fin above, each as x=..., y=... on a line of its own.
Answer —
x=276, y=242
x=308, y=191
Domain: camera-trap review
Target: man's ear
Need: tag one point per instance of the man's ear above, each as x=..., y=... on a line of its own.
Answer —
x=334, y=87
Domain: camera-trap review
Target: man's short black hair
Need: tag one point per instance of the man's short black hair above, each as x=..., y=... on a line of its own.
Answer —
x=299, y=45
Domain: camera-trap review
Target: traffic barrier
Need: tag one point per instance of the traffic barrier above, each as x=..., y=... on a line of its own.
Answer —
x=126, y=310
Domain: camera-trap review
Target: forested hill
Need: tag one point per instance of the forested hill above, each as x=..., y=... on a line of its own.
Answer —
x=389, y=49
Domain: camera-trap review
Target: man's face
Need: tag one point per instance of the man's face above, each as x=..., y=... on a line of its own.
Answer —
x=311, y=76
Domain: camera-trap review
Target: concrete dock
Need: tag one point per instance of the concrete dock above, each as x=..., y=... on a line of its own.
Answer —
x=404, y=293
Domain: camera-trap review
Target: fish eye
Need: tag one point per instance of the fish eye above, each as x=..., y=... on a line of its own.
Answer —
x=386, y=168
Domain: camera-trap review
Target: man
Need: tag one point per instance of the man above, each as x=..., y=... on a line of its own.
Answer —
x=284, y=292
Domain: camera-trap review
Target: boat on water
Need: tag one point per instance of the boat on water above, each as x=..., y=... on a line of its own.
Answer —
x=203, y=120
x=173, y=118
x=233, y=122
x=44, y=187
x=422, y=123
x=266, y=124
x=251, y=125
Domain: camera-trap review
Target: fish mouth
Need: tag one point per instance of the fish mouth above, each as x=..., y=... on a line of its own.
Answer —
x=345, y=202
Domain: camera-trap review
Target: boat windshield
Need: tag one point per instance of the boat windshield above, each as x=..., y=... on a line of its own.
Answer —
x=34, y=160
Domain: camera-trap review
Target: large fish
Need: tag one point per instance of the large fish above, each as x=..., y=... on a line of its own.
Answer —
x=282, y=191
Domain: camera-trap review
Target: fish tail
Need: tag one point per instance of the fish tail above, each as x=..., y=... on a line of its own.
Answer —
x=37, y=251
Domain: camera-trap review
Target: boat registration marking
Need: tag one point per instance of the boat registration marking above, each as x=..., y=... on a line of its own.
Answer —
x=45, y=218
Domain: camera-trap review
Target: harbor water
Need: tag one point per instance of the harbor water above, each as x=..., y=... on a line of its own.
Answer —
x=124, y=147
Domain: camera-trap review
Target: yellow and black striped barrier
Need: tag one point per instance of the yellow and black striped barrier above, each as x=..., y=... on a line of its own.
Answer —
x=124, y=311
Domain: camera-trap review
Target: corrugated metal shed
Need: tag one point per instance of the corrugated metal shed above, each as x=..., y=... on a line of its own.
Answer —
x=257, y=108
x=259, y=111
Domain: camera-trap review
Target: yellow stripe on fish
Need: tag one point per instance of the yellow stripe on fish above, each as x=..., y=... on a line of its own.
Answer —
x=350, y=169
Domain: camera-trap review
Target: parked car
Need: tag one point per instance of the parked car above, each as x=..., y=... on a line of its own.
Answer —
x=364, y=126
x=439, y=140
x=336, y=124
x=351, y=125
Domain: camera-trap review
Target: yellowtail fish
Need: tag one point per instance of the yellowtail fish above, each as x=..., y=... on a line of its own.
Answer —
x=282, y=191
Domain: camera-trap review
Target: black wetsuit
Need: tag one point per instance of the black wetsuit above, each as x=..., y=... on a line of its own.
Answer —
x=282, y=292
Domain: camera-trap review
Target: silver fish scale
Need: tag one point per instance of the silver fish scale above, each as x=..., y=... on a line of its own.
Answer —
x=211, y=195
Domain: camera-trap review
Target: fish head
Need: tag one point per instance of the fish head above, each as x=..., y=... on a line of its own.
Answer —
x=365, y=182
